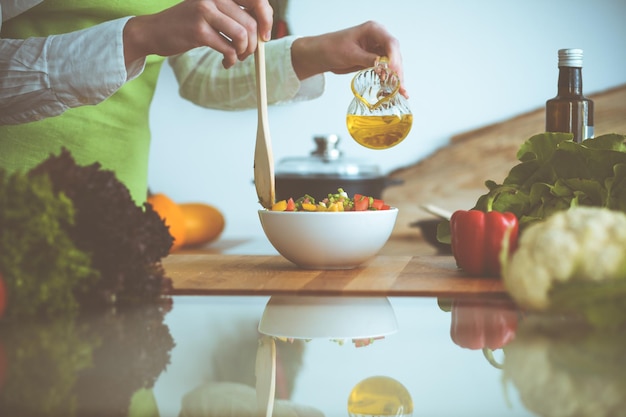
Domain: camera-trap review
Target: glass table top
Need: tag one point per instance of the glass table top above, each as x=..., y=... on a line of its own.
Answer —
x=321, y=356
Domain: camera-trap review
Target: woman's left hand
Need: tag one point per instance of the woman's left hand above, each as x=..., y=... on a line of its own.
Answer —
x=347, y=51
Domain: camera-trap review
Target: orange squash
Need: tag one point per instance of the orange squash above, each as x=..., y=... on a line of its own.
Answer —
x=203, y=223
x=172, y=215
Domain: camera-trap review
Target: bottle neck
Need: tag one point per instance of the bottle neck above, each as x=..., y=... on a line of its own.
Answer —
x=570, y=81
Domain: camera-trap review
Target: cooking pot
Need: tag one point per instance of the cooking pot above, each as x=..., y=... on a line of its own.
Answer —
x=326, y=170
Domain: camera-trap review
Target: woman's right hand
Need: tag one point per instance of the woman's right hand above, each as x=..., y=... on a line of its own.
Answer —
x=231, y=27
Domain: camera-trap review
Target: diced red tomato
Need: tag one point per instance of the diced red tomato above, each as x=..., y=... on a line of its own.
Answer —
x=291, y=205
x=366, y=342
x=362, y=203
x=378, y=204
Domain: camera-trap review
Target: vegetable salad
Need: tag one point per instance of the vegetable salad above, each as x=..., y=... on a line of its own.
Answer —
x=337, y=202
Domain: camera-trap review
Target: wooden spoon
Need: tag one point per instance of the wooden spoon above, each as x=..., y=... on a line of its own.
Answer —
x=265, y=372
x=263, y=158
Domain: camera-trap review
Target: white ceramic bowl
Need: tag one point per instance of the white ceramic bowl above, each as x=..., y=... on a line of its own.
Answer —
x=312, y=317
x=322, y=240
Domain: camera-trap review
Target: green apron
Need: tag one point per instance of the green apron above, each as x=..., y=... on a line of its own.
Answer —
x=116, y=132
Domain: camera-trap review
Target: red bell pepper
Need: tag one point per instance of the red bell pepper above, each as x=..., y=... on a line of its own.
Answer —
x=477, y=324
x=477, y=238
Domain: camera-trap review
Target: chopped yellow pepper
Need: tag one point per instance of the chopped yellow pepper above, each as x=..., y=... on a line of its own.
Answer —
x=309, y=207
x=280, y=205
x=336, y=206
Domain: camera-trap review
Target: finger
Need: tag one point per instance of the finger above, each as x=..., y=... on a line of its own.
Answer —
x=264, y=15
x=238, y=26
x=386, y=45
x=396, y=65
x=369, y=60
x=217, y=41
x=360, y=59
x=391, y=51
x=403, y=91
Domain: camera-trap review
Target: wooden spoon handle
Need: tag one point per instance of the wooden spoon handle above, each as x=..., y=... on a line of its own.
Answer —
x=263, y=158
x=265, y=372
x=261, y=80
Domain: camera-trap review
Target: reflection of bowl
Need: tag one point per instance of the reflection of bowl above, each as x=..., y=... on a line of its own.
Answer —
x=317, y=240
x=311, y=317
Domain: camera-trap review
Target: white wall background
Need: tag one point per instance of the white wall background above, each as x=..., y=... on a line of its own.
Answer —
x=467, y=64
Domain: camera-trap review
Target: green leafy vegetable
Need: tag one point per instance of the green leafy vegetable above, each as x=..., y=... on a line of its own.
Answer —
x=556, y=174
x=126, y=242
x=72, y=238
x=41, y=264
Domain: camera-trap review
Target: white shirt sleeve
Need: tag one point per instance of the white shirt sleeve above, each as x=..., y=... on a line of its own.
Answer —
x=11, y=8
x=204, y=81
x=43, y=77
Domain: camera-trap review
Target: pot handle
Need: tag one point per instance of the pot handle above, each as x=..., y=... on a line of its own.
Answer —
x=393, y=181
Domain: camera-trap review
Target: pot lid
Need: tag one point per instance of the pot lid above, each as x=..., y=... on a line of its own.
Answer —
x=326, y=160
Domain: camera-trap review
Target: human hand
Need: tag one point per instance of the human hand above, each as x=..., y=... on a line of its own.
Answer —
x=231, y=27
x=347, y=51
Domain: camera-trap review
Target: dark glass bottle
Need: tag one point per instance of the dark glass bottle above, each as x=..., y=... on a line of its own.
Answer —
x=570, y=111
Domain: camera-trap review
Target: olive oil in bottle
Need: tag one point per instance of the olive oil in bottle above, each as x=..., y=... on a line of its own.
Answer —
x=379, y=132
x=378, y=116
x=570, y=111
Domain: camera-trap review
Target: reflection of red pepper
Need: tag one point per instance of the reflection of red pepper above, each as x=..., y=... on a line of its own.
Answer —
x=476, y=239
x=477, y=324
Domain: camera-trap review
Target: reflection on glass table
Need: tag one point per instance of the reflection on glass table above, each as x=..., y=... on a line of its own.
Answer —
x=90, y=365
x=485, y=325
x=199, y=359
x=358, y=319
x=379, y=396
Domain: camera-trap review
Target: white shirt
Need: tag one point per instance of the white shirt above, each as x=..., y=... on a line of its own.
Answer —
x=43, y=77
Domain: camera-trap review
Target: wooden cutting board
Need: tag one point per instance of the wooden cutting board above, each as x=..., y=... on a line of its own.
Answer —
x=214, y=274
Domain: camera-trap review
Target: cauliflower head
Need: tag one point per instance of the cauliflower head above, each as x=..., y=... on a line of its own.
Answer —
x=582, y=244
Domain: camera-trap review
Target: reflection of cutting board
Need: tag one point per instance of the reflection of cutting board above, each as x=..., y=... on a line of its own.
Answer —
x=210, y=274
